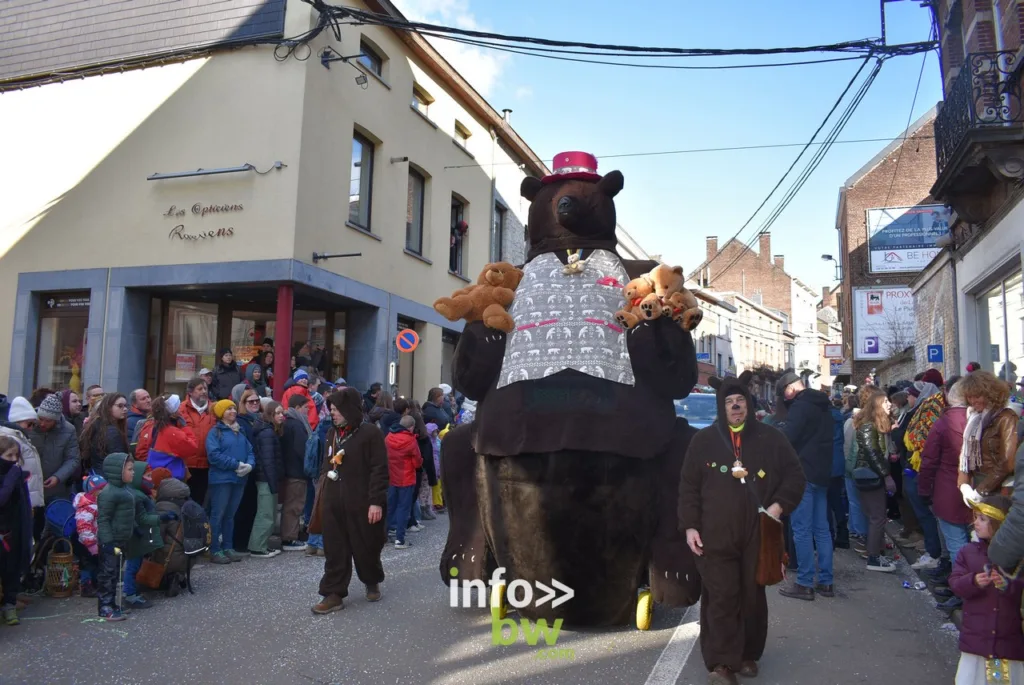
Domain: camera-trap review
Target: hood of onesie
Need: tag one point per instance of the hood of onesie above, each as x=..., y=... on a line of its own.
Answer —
x=350, y=405
x=733, y=386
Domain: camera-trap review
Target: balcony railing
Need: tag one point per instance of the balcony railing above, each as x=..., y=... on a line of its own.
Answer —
x=986, y=95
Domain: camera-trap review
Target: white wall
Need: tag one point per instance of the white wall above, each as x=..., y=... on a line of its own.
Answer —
x=805, y=325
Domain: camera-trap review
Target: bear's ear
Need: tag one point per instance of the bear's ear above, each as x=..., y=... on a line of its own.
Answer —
x=715, y=382
x=530, y=187
x=611, y=184
x=678, y=270
x=745, y=377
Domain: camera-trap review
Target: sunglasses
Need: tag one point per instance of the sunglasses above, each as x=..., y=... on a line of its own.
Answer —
x=252, y=401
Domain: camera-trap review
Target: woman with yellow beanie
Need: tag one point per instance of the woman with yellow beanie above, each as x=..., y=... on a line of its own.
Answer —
x=231, y=459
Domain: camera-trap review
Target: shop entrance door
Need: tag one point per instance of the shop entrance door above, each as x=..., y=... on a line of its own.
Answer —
x=406, y=361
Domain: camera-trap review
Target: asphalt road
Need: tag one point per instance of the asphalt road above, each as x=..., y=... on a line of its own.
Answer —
x=250, y=623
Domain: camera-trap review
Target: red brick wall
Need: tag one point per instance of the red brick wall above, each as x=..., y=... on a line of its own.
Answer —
x=877, y=188
x=754, y=272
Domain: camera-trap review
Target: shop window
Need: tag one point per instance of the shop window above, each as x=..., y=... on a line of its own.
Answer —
x=63, y=325
x=248, y=329
x=414, y=212
x=338, y=359
x=449, y=341
x=498, y=233
x=1001, y=329
x=189, y=343
x=371, y=58
x=360, y=191
x=459, y=236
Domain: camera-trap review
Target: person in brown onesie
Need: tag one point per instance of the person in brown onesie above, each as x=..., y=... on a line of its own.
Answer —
x=350, y=507
x=720, y=515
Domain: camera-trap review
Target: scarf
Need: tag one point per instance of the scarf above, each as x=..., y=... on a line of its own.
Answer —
x=199, y=409
x=302, y=417
x=233, y=426
x=970, y=451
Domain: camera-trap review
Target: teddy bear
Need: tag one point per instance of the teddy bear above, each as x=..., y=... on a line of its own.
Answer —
x=660, y=292
x=485, y=301
x=544, y=483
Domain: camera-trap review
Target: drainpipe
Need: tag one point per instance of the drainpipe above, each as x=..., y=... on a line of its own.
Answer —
x=103, y=340
x=997, y=20
x=956, y=314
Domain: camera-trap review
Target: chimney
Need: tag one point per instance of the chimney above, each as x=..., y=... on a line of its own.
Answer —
x=825, y=296
x=764, y=247
x=506, y=114
x=780, y=261
x=712, y=247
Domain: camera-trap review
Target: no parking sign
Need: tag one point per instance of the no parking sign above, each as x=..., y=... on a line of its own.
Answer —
x=407, y=340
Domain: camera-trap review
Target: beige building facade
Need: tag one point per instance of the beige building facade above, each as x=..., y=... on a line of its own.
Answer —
x=217, y=198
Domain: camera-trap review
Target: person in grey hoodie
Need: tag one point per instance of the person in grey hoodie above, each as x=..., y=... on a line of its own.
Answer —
x=57, y=444
x=255, y=380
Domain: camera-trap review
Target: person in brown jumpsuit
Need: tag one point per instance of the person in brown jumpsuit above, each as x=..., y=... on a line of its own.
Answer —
x=720, y=515
x=349, y=509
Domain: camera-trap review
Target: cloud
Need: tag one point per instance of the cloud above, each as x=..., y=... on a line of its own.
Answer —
x=524, y=92
x=481, y=67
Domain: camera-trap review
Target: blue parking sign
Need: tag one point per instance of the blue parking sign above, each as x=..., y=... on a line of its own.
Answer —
x=935, y=354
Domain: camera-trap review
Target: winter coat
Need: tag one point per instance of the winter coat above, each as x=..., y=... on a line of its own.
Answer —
x=170, y=496
x=376, y=414
x=927, y=412
x=200, y=424
x=86, y=519
x=175, y=446
x=259, y=386
x=293, y=446
x=810, y=429
x=147, y=521
x=389, y=419
x=248, y=424
x=435, y=414
x=849, y=438
x=871, y=450
x=838, y=455
x=991, y=620
x=225, y=377
x=404, y=457
x=226, y=448
x=998, y=446
x=1007, y=548
x=32, y=465
x=115, y=505
x=112, y=440
x=16, y=513
x=297, y=389
x=269, y=460
x=940, y=467
x=59, y=455
x=134, y=419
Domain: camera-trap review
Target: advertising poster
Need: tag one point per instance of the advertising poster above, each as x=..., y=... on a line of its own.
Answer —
x=184, y=367
x=883, y=322
x=903, y=239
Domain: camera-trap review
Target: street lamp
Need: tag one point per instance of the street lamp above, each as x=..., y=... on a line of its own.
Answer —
x=830, y=258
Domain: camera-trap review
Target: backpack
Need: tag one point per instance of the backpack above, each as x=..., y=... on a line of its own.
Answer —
x=195, y=529
x=312, y=460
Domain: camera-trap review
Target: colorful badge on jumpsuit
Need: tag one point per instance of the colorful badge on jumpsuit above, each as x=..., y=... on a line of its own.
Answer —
x=723, y=468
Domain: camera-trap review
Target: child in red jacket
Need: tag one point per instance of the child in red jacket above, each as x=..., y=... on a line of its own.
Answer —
x=991, y=641
x=404, y=458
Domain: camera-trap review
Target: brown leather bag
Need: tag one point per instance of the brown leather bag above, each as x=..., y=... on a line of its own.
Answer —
x=315, y=526
x=771, y=556
x=151, y=573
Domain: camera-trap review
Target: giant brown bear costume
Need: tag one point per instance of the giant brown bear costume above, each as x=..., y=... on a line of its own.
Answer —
x=570, y=470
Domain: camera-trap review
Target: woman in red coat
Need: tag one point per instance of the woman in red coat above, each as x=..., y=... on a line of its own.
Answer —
x=171, y=444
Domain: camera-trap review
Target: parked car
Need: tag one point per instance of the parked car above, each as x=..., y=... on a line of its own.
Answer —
x=699, y=409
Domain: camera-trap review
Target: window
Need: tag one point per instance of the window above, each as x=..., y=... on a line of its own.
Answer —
x=421, y=100
x=189, y=343
x=457, y=247
x=462, y=134
x=1001, y=329
x=63, y=321
x=360, y=188
x=498, y=233
x=414, y=212
x=370, y=58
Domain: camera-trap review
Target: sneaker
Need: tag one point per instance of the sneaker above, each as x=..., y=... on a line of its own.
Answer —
x=402, y=545
x=137, y=602
x=416, y=528
x=10, y=616
x=233, y=555
x=269, y=554
x=328, y=604
x=293, y=546
x=925, y=562
x=219, y=558
x=881, y=564
x=111, y=614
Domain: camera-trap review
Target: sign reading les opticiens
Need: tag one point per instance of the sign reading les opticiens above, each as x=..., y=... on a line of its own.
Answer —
x=200, y=210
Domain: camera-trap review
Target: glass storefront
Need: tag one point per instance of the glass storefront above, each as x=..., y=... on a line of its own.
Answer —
x=189, y=343
x=63, y=325
x=1001, y=328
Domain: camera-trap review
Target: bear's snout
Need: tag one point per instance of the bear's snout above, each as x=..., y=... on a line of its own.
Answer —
x=567, y=207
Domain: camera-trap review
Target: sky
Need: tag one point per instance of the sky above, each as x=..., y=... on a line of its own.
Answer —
x=671, y=203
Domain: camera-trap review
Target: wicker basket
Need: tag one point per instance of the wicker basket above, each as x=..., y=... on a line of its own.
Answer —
x=60, y=571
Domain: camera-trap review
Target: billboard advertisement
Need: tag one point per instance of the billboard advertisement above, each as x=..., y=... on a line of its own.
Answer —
x=902, y=239
x=883, y=322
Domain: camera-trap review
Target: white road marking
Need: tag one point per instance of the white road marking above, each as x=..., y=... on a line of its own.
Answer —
x=677, y=652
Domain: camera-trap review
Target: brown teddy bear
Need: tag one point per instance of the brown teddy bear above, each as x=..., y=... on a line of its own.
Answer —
x=486, y=301
x=661, y=292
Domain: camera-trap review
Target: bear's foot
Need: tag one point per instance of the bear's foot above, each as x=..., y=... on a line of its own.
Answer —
x=497, y=318
x=691, y=318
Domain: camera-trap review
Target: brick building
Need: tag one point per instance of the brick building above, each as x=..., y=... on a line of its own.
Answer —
x=936, y=315
x=979, y=141
x=755, y=275
x=898, y=179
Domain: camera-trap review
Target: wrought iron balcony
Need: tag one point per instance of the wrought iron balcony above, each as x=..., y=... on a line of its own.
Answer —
x=984, y=100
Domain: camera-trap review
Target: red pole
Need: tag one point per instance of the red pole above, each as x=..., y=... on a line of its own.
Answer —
x=283, y=339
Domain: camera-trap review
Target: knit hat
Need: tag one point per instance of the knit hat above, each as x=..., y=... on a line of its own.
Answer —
x=221, y=407
x=268, y=341
x=445, y=388
x=973, y=366
x=50, y=409
x=913, y=391
x=157, y=475
x=300, y=374
x=21, y=410
x=94, y=482
x=933, y=376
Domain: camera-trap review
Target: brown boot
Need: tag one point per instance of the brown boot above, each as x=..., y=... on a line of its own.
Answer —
x=749, y=669
x=373, y=593
x=328, y=604
x=722, y=675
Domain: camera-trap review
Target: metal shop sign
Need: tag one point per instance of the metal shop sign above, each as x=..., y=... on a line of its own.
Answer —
x=199, y=211
x=905, y=239
x=66, y=301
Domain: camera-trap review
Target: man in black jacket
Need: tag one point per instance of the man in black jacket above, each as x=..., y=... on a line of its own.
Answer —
x=433, y=410
x=809, y=429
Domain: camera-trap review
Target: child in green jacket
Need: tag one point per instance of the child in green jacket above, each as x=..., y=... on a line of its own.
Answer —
x=146, y=538
x=115, y=522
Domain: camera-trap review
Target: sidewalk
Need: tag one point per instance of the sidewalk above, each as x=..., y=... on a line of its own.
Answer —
x=912, y=554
